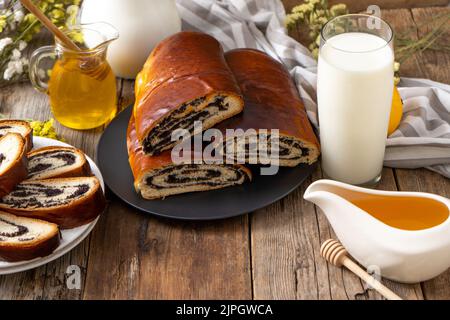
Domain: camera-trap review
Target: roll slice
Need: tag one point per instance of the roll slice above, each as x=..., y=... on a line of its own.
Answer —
x=18, y=126
x=26, y=238
x=158, y=176
x=57, y=162
x=68, y=202
x=13, y=162
x=185, y=79
x=271, y=102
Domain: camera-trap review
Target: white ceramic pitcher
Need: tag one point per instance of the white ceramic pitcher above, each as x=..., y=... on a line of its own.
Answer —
x=401, y=255
x=141, y=25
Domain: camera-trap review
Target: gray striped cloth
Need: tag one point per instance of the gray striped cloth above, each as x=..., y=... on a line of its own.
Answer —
x=423, y=138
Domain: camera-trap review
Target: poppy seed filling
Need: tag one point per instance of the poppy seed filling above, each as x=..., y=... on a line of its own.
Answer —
x=159, y=138
x=15, y=230
x=196, y=174
x=288, y=148
x=50, y=160
x=35, y=195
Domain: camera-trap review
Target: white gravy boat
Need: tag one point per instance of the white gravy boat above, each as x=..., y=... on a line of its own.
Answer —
x=403, y=255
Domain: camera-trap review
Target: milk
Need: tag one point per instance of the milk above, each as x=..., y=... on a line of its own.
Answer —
x=354, y=92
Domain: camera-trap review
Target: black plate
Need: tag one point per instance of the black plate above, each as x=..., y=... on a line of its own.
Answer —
x=112, y=159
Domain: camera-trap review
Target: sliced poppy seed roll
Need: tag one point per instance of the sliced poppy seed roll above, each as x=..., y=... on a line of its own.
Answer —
x=25, y=238
x=185, y=79
x=57, y=162
x=271, y=102
x=68, y=202
x=158, y=176
x=21, y=127
x=13, y=162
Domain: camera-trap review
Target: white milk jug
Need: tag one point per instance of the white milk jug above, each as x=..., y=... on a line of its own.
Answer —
x=141, y=25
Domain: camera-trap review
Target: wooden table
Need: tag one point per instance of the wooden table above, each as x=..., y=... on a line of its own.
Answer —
x=269, y=254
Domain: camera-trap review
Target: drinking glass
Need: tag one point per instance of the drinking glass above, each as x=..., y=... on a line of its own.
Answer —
x=354, y=92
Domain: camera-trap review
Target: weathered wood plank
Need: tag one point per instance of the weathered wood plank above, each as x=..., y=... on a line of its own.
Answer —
x=402, y=22
x=416, y=23
x=435, y=63
x=285, y=240
x=161, y=259
x=126, y=97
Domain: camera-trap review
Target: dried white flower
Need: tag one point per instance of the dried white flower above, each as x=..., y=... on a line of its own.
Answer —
x=14, y=67
x=8, y=74
x=16, y=54
x=22, y=45
x=5, y=42
x=18, y=16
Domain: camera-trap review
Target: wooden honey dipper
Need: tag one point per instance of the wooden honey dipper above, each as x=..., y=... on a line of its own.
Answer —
x=334, y=252
x=49, y=25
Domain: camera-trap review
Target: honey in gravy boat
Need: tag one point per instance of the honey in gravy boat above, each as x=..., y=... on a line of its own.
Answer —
x=404, y=234
x=407, y=213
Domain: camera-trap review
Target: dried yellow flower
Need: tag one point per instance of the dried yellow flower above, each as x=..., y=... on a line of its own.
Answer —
x=45, y=129
x=313, y=14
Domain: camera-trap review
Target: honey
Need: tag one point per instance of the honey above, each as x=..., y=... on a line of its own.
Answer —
x=402, y=212
x=82, y=92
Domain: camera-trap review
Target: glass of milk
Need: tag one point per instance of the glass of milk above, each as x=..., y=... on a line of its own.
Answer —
x=354, y=93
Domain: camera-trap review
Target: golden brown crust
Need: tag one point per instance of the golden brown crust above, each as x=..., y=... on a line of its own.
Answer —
x=17, y=172
x=271, y=98
x=141, y=163
x=28, y=136
x=80, y=171
x=183, y=67
x=77, y=213
x=41, y=248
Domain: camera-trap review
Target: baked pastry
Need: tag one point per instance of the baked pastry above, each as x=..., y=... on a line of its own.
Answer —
x=57, y=162
x=68, y=202
x=26, y=238
x=18, y=126
x=158, y=177
x=271, y=102
x=185, y=79
x=13, y=162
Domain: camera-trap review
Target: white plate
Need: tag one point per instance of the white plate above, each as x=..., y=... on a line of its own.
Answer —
x=70, y=237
